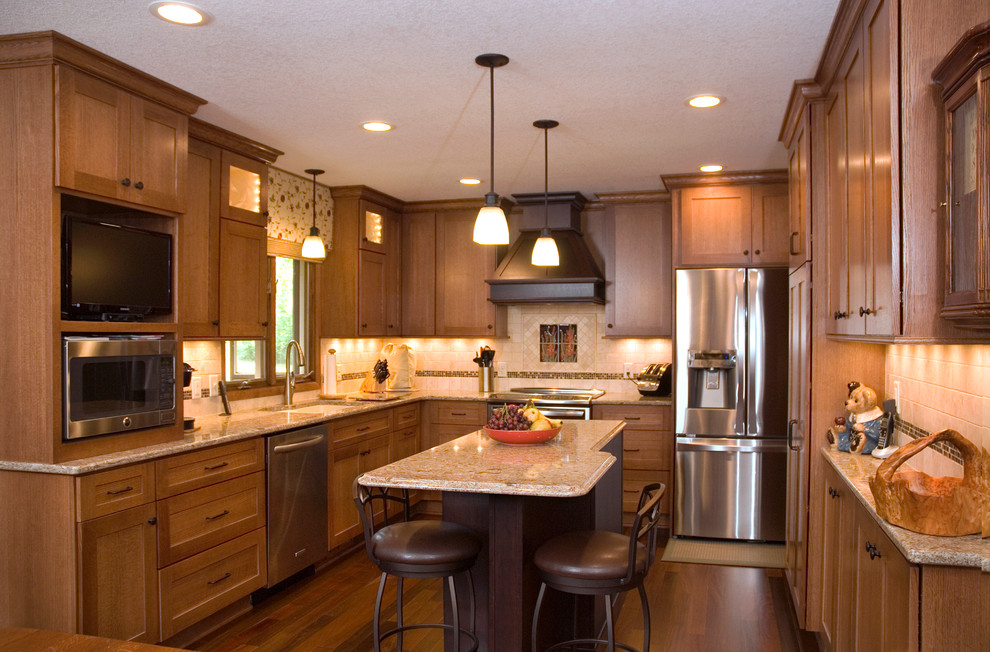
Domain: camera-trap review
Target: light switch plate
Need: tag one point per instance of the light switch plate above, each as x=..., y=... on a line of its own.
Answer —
x=196, y=387
x=627, y=369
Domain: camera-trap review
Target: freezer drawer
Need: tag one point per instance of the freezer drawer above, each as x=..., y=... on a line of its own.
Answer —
x=730, y=488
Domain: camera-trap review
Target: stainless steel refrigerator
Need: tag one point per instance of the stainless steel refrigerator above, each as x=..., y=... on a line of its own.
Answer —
x=730, y=403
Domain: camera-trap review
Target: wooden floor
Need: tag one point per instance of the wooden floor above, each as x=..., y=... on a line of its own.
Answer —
x=693, y=607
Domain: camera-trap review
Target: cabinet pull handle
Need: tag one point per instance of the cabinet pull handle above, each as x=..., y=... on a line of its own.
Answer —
x=840, y=314
x=865, y=311
x=832, y=492
x=458, y=414
x=790, y=435
x=872, y=550
x=220, y=515
x=368, y=452
x=117, y=492
x=631, y=450
x=215, y=466
x=125, y=181
x=139, y=185
x=215, y=322
x=629, y=418
x=152, y=520
x=265, y=324
x=219, y=579
x=794, y=252
x=363, y=428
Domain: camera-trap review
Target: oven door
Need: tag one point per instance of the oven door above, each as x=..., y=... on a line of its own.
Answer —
x=117, y=385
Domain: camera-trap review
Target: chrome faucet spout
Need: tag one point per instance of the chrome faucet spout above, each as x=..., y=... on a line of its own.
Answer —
x=290, y=375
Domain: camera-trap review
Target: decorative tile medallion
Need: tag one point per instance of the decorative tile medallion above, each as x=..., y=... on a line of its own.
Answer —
x=551, y=342
x=558, y=343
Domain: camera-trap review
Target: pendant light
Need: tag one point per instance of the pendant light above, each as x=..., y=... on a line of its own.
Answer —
x=545, y=250
x=490, y=227
x=313, y=247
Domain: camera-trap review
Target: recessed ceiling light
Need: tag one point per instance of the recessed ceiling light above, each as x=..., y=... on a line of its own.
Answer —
x=181, y=13
x=711, y=168
x=468, y=181
x=704, y=101
x=377, y=126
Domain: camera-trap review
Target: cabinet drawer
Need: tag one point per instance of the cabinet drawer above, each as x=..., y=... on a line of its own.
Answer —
x=636, y=415
x=405, y=443
x=111, y=491
x=470, y=413
x=406, y=415
x=199, y=586
x=633, y=483
x=363, y=426
x=194, y=521
x=196, y=470
x=641, y=450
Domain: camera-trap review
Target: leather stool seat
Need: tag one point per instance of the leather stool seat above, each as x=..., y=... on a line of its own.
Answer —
x=598, y=562
x=425, y=546
x=590, y=555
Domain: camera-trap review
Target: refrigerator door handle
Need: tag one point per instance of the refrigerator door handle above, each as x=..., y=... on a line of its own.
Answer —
x=790, y=435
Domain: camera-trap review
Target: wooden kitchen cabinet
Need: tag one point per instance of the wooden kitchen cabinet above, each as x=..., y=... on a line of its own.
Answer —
x=638, y=236
x=223, y=263
x=462, y=265
x=647, y=452
x=118, y=583
x=800, y=123
x=862, y=281
x=730, y=219
x=346, y=463
x=359, y=279
x=419, y=262
x=115, y=144
x=964, y=75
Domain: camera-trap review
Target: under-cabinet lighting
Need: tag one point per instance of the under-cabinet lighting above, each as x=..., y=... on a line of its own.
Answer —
x=180, y=13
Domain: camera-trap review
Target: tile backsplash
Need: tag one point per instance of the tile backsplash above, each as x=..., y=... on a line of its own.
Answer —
x=938, y=387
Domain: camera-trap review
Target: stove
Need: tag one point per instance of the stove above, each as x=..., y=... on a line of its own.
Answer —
x=554, y=402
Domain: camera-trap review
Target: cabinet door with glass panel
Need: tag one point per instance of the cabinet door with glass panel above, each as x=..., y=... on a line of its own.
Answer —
x=964, y=75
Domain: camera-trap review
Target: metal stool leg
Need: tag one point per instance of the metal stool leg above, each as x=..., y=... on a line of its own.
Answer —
x=398, y=614
x=457, y=616
x=536, y=612
x=646, y=618
x=375, y=626
x=608, y=623
x=470, y=580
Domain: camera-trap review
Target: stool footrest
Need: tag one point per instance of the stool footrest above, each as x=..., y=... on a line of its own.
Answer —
x=463, y=632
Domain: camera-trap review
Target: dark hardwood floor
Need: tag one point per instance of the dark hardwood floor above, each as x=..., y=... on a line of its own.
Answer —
x=693, y=607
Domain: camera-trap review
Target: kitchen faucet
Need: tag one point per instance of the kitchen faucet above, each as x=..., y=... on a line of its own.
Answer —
x=290, y=376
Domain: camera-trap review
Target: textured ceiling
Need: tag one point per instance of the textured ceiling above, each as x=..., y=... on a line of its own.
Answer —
x=303, y=75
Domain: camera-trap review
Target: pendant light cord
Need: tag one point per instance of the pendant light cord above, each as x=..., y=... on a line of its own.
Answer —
x=546, y=179
x=491, y=77
x=314, y=199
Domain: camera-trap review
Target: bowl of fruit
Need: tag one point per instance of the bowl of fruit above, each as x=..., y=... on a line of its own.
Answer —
x=521, y=425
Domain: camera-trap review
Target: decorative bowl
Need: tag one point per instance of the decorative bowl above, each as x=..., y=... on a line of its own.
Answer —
x=522, y=437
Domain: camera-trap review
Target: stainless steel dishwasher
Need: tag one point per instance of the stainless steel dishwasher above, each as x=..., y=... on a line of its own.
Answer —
x=297, y=501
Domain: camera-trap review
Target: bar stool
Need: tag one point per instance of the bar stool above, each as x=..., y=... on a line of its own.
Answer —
x=597, y=562
x=414, y=549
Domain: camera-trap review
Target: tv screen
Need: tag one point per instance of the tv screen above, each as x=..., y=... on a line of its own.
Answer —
x=114, y=272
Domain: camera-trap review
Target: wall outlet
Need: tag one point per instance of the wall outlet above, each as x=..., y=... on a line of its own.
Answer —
x=897, y=394
x=214, y=379
x=502, y=369
x=627, y=369
x=196, y=386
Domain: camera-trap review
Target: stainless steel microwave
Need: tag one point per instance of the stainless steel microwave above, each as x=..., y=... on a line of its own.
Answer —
x=116, y=383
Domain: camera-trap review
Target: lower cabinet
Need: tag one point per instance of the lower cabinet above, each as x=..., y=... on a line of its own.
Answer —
x=118, y=575
x=647, y=452
x=871, y=592
x=448, y=420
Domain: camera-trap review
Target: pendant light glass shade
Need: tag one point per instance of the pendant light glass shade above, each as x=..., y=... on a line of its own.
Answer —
x=490, y=227
x=545, y=250
x=313, y=247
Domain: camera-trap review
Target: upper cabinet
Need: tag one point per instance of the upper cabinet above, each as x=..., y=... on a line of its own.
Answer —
x=637, y=251
x=116, y=144
x=802, y=118
x=359, y=279
x=730, y=219
x=964, y=75
x=223, y=253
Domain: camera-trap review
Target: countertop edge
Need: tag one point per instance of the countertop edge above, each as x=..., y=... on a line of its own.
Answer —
x=922, y=549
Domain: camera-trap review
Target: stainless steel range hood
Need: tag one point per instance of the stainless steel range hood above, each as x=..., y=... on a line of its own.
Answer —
x=577, y=278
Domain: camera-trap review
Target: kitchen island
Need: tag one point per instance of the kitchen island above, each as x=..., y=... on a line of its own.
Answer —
x=515, y=498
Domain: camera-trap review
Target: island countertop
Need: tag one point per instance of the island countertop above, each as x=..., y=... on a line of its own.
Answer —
x=568, y=465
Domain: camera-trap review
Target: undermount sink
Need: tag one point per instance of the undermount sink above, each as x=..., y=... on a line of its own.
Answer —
x=314, y=407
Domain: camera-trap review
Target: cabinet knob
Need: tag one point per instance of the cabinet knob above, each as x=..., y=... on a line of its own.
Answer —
x=265, y=324
x=490, y=327
x=745, y=252
x=757, y=252
x=364, y=325
x=139, y=185
x=865, y=311
x=840, y=314
x=152, y=520
x=125, y=181
x=610, y=325
x=215, y=322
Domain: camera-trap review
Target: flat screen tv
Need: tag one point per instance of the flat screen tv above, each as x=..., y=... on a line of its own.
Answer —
x=112, y=272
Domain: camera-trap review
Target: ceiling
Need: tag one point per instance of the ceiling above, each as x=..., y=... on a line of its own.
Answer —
x=303, y=75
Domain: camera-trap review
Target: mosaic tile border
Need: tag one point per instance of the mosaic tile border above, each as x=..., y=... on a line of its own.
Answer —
x=560, y=375
x=914, y=432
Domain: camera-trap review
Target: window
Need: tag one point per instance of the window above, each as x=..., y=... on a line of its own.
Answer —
x=257, y=360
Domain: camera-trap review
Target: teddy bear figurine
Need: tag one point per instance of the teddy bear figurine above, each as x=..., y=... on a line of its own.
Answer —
x=860, y=431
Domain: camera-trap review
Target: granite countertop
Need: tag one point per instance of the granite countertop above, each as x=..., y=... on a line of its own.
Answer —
x=630, y=396
x=967, y=551
x=568, y=465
